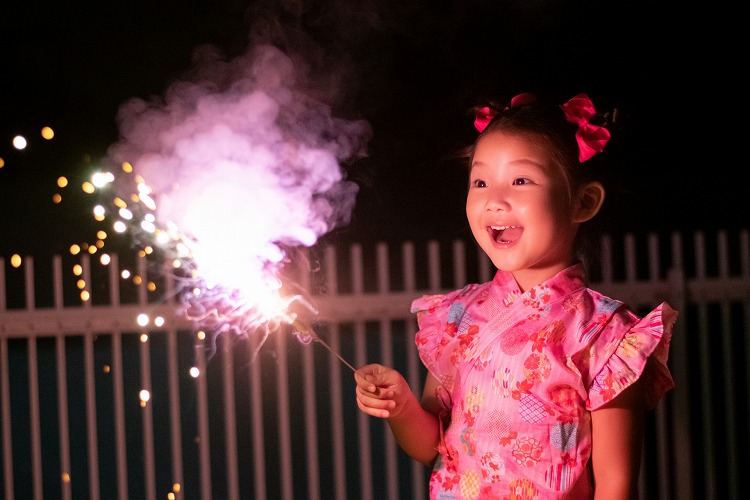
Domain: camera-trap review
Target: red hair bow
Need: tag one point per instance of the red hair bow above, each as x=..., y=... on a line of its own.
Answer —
x=591, y=138
x=483, y=118
x=485, y=115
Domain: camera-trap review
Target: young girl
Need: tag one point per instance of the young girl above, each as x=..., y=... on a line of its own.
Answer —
x=537, y=385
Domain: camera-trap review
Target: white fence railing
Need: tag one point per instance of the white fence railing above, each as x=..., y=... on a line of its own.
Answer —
x=278, y=420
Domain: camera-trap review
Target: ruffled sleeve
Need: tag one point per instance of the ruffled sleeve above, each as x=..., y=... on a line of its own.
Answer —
x=624, y=358
x=435, y=316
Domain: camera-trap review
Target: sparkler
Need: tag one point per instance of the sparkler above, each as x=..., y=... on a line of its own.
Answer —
x=224, y=177
x=305, y=330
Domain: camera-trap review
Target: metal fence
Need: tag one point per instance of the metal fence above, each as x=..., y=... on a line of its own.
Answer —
x=278, y=419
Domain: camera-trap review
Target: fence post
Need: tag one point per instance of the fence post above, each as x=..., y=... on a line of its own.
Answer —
x=681, y=459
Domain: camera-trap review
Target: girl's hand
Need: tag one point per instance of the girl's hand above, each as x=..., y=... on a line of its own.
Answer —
x=381, y=391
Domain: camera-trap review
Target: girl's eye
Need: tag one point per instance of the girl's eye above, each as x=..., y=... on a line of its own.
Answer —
x=521, y=181
x=479, y=183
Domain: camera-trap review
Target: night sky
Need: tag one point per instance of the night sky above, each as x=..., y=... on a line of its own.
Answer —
x=411, y=69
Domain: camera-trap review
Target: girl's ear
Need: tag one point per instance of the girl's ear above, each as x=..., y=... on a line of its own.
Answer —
x=589, y=200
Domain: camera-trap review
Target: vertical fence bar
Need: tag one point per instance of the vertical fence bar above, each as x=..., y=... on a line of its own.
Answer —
x=413, y=375
x=386, y=352
x=7, y=432
x=311, y=423
x=334, y=370
x=704, y=346
x=62, y=384
x=119, y=410
x=33, y=369
x=144, y=357
x=662, y=424
x=230, y=417
x=360, y=356
x=147, y=423
x=175, y=428
x=62, y=416
x=337, y=417
x=459, y=264
x=256, y=411
x=433, y=270
x=311, y=420
x=413, y=363
x=728, y=371
x=285, y=437
x=91, y=423
x=5, y=391
x=3, y=295
x=36, y=440
x=204, y=444
x=682, y=471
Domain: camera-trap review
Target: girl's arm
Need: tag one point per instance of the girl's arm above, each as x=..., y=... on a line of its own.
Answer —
x=384, y=393
x=617, y=437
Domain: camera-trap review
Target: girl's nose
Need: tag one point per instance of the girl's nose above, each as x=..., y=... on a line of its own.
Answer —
x=497, y=200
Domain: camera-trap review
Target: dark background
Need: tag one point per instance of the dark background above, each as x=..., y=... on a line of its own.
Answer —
x=410, y=68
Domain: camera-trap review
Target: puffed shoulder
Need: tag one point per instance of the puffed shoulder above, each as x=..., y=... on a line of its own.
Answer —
x=434, y=312
x=646, y=342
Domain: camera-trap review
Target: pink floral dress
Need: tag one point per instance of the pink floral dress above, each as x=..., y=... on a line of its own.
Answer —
x=520, y=373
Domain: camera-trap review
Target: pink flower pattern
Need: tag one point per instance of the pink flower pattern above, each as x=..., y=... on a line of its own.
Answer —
x=571, y=351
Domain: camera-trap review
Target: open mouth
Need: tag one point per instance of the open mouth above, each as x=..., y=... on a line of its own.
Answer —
x=505, y=234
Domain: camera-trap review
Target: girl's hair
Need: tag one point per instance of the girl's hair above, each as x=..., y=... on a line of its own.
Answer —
x=557, y=128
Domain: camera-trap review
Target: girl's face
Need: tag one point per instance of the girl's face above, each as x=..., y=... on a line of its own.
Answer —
x=519, y=209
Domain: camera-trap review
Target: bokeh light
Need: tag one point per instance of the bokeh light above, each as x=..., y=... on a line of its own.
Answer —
x=19, y=142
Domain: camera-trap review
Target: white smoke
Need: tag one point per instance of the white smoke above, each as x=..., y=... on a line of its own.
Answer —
x=243, y=159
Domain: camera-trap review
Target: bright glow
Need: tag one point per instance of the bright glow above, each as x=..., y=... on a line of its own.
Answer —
x=142, y=319
x=48, y=133
x=62, y=182
x=88, y=187
x=99, y=213
x=15, y=260
x=101, y=179
x=105, y=259
x=195, y=372
x=85, y=296
x=19, y=142
x=149, y=227
x=159, y=321
x=144, y=395
x=77, y=269
x=144, y=338
x=125, y=274
x=226, y=177
x=75, y=249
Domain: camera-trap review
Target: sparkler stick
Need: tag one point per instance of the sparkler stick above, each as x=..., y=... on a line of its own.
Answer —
x=303, y=328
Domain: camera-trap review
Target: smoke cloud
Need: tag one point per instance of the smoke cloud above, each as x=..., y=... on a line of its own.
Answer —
x=243, y=160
